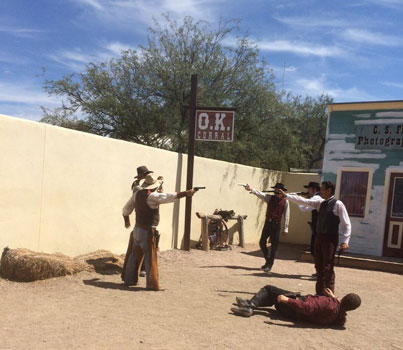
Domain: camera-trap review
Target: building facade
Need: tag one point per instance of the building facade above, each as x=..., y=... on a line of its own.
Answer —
x=364, y=157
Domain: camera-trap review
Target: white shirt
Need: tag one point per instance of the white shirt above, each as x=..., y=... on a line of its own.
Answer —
x=286, y=215
x=338, y=210
x=306, y=208
x=153, y=200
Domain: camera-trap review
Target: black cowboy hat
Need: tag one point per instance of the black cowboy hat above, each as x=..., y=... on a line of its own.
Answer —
x=312, y=184
x=142, y=171
x=280, y=186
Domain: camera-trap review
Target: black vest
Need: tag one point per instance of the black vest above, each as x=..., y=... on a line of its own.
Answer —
x=327, y=223
x=146, y=217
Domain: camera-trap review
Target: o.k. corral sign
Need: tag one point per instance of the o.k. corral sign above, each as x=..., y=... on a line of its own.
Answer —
x=214, y=125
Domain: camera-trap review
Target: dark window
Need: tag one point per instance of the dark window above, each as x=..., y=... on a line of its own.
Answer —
x=353, y=191
x=397, y=206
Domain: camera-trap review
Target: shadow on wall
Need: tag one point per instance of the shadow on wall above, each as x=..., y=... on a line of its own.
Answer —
x=176, y=208
x=233, y=167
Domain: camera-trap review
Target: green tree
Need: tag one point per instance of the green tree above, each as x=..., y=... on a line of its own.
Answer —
x=307, y=120
x=143, y=96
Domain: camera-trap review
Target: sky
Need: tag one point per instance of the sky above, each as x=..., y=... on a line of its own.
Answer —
x=350, y=50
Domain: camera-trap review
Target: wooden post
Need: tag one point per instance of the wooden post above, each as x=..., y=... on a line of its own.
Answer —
x=191, y=153
x=241, y=233
x=204, y=232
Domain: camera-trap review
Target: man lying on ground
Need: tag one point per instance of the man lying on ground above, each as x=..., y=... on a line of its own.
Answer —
x=325, y=310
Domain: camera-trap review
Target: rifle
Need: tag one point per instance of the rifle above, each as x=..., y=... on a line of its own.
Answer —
x=199, y=188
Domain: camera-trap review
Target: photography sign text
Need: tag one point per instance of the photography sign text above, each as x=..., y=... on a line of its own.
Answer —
x=214, y=125
x=379, y=136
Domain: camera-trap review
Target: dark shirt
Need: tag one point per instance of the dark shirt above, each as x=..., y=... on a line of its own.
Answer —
x=318, y=309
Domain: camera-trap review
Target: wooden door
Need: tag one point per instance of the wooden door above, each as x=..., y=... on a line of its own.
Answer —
x=393, y=238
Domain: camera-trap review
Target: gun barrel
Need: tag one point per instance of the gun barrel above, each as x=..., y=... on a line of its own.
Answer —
x=199, y=188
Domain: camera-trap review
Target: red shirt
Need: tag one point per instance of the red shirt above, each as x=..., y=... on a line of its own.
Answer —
x=318, y=309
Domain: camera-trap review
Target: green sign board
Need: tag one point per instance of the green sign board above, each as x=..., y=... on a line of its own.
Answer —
x=379, y=136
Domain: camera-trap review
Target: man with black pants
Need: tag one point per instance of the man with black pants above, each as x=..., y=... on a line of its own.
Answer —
x=331, y=213
x=313, y=191
x=277, y=208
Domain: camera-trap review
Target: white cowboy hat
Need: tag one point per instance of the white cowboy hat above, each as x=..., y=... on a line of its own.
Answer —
x=151, y=181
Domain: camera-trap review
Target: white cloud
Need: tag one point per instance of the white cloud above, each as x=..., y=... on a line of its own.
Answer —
x=312, y=22
x=24, y=92
x=318, y=86
x=300, y=48
x=116, y=48
x=130, y=12
x=367, y=37
x=392, y=84
x=387, y=3
x=284, y=68
x=92, y=3
x=20, y=32
x=76, y=59
x=23, y=99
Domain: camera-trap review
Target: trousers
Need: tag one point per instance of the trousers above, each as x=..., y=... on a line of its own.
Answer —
x=267, y=296
x=270, y=230
x=143, y=249
x=325, y=250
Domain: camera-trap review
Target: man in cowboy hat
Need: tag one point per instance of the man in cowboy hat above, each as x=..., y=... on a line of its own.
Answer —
x=313, y=191
x=142, y=172
x=277, y=208
x=146, y=203
x=331, y=213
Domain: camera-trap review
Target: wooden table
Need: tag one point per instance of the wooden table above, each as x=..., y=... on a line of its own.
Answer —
x=204, y=227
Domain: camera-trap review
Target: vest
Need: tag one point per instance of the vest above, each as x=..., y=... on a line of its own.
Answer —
x=327, y=223
x=146, y=217
x=275, y=209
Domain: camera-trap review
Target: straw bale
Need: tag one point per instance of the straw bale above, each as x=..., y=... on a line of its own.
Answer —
x=24, y=265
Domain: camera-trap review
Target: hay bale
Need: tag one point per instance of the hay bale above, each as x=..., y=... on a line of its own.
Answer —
x=102, y=261
x=24, y=265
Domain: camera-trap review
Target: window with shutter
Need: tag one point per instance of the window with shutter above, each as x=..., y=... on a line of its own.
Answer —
x=353, y=191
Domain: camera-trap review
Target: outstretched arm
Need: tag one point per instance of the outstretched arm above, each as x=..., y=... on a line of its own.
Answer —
x=263, y=196
x=311, y=202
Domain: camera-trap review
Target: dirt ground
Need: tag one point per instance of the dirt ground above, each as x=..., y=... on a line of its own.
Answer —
x=94, y=311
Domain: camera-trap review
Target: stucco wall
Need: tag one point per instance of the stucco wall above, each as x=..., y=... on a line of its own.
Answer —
x=341, y=153
x=63, y=190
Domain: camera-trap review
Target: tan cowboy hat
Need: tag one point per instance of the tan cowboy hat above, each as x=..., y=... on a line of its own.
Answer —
x=151, y=181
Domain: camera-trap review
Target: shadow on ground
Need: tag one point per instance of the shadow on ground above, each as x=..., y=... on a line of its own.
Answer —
x=261, y=274
x=283, y=275
x=273, y=314
x=96, y=282
x=284, y=252
x=105, y=266
x=233, y=267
